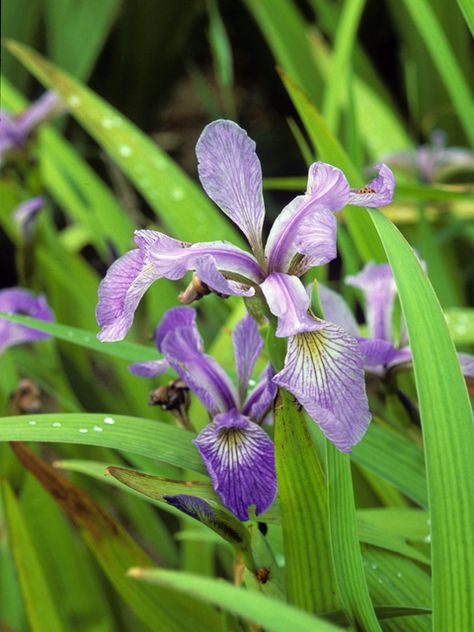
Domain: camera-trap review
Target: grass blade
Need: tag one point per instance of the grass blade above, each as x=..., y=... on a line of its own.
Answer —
x=448, y=433
x=310, y=579
x=273, y=615
x=41, y=609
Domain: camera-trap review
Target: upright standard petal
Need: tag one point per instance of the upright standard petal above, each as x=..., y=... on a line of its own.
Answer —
x=289, y=302
x=325, y=372
x=120, y=292
x=240, y=459
x=231, y=175
x=336, y=310
x=19, y=301
x=378, y=285
x=248, y=345
x=378, y=192
x=377, y=353
x=306, y=226
x=201, y=373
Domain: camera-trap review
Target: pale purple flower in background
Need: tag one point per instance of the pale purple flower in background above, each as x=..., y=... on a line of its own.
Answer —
x=16, y=300
x=16, y=129
x=433, y=162
x=381, y=353
x=238, y=454
x=24, y=215
x=323, y=366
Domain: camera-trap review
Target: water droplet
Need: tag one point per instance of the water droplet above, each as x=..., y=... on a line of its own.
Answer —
x=83, y=430
x=70, y=334
x=109, y=420
x=144, y=182
x=97, y=428
x=125, y=150
x=87, y=339
x=56, y=424
x=399, y=575
x=177, y=194
x=74, y=101
x=32, y=423
x=252, y=382
x=427, y=539
x=374, y=567
x=160, y=163
x=380, y=581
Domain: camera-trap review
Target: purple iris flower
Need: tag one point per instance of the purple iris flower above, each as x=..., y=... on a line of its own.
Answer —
x=16, y=300
x=380, y=352
x=238, y=454
x=433, y=162
x=323, y=366
x=15, y=130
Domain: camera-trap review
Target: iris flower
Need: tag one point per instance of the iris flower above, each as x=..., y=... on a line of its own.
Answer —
x=238, y=454
x=323, y=366
x=16, y=300
x=381, y=353
x=15, y=130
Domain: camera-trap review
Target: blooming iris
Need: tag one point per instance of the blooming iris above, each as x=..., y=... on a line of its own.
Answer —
x=323, y=366
x=15, y=130
x=380, y=352
x=16, y=300
x=238, y=454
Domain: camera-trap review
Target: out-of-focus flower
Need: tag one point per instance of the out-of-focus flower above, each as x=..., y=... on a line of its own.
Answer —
x=15, y=130
x=380, y=352
x=433, y=162
x=323, y=366
x=24, y=215
x=238, y=454
x=16, y=300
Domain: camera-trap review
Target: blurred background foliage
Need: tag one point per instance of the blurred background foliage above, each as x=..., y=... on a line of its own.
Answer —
x=373, y=69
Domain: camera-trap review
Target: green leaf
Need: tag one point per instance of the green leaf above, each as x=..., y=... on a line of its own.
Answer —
x=40, y=606
x=448, y=433
x=146, y=437
x=395, y=459
x=345, y=542
x=467, y=8
x=179, y=203
x=125, y=350
x=271, y=614
x=285, y=30
x=430, y=30
x=115, y=551
x=341, y=59
x=303, y=499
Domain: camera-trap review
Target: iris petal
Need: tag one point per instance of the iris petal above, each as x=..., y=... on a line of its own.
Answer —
x=239, y=456
x=378, y=192
x=324, y=371
x=248, y=344
x=19, y=301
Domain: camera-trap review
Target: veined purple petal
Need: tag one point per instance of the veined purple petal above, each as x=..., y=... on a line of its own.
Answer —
x=466, y=361
x=378, y=285
x=239, y=457
x=336, y=310
x=377, y=353
x=248, y=345
x=122, y=288
x=289, y=302
x=306, y=225
x=25, y=213
x=231, y=175
x=378, y=192
x=149, y=368
x=260, y=400
x=19, y=301
x=173, y=319
x=173, y=258
x=325, y=372
x=201, y=373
